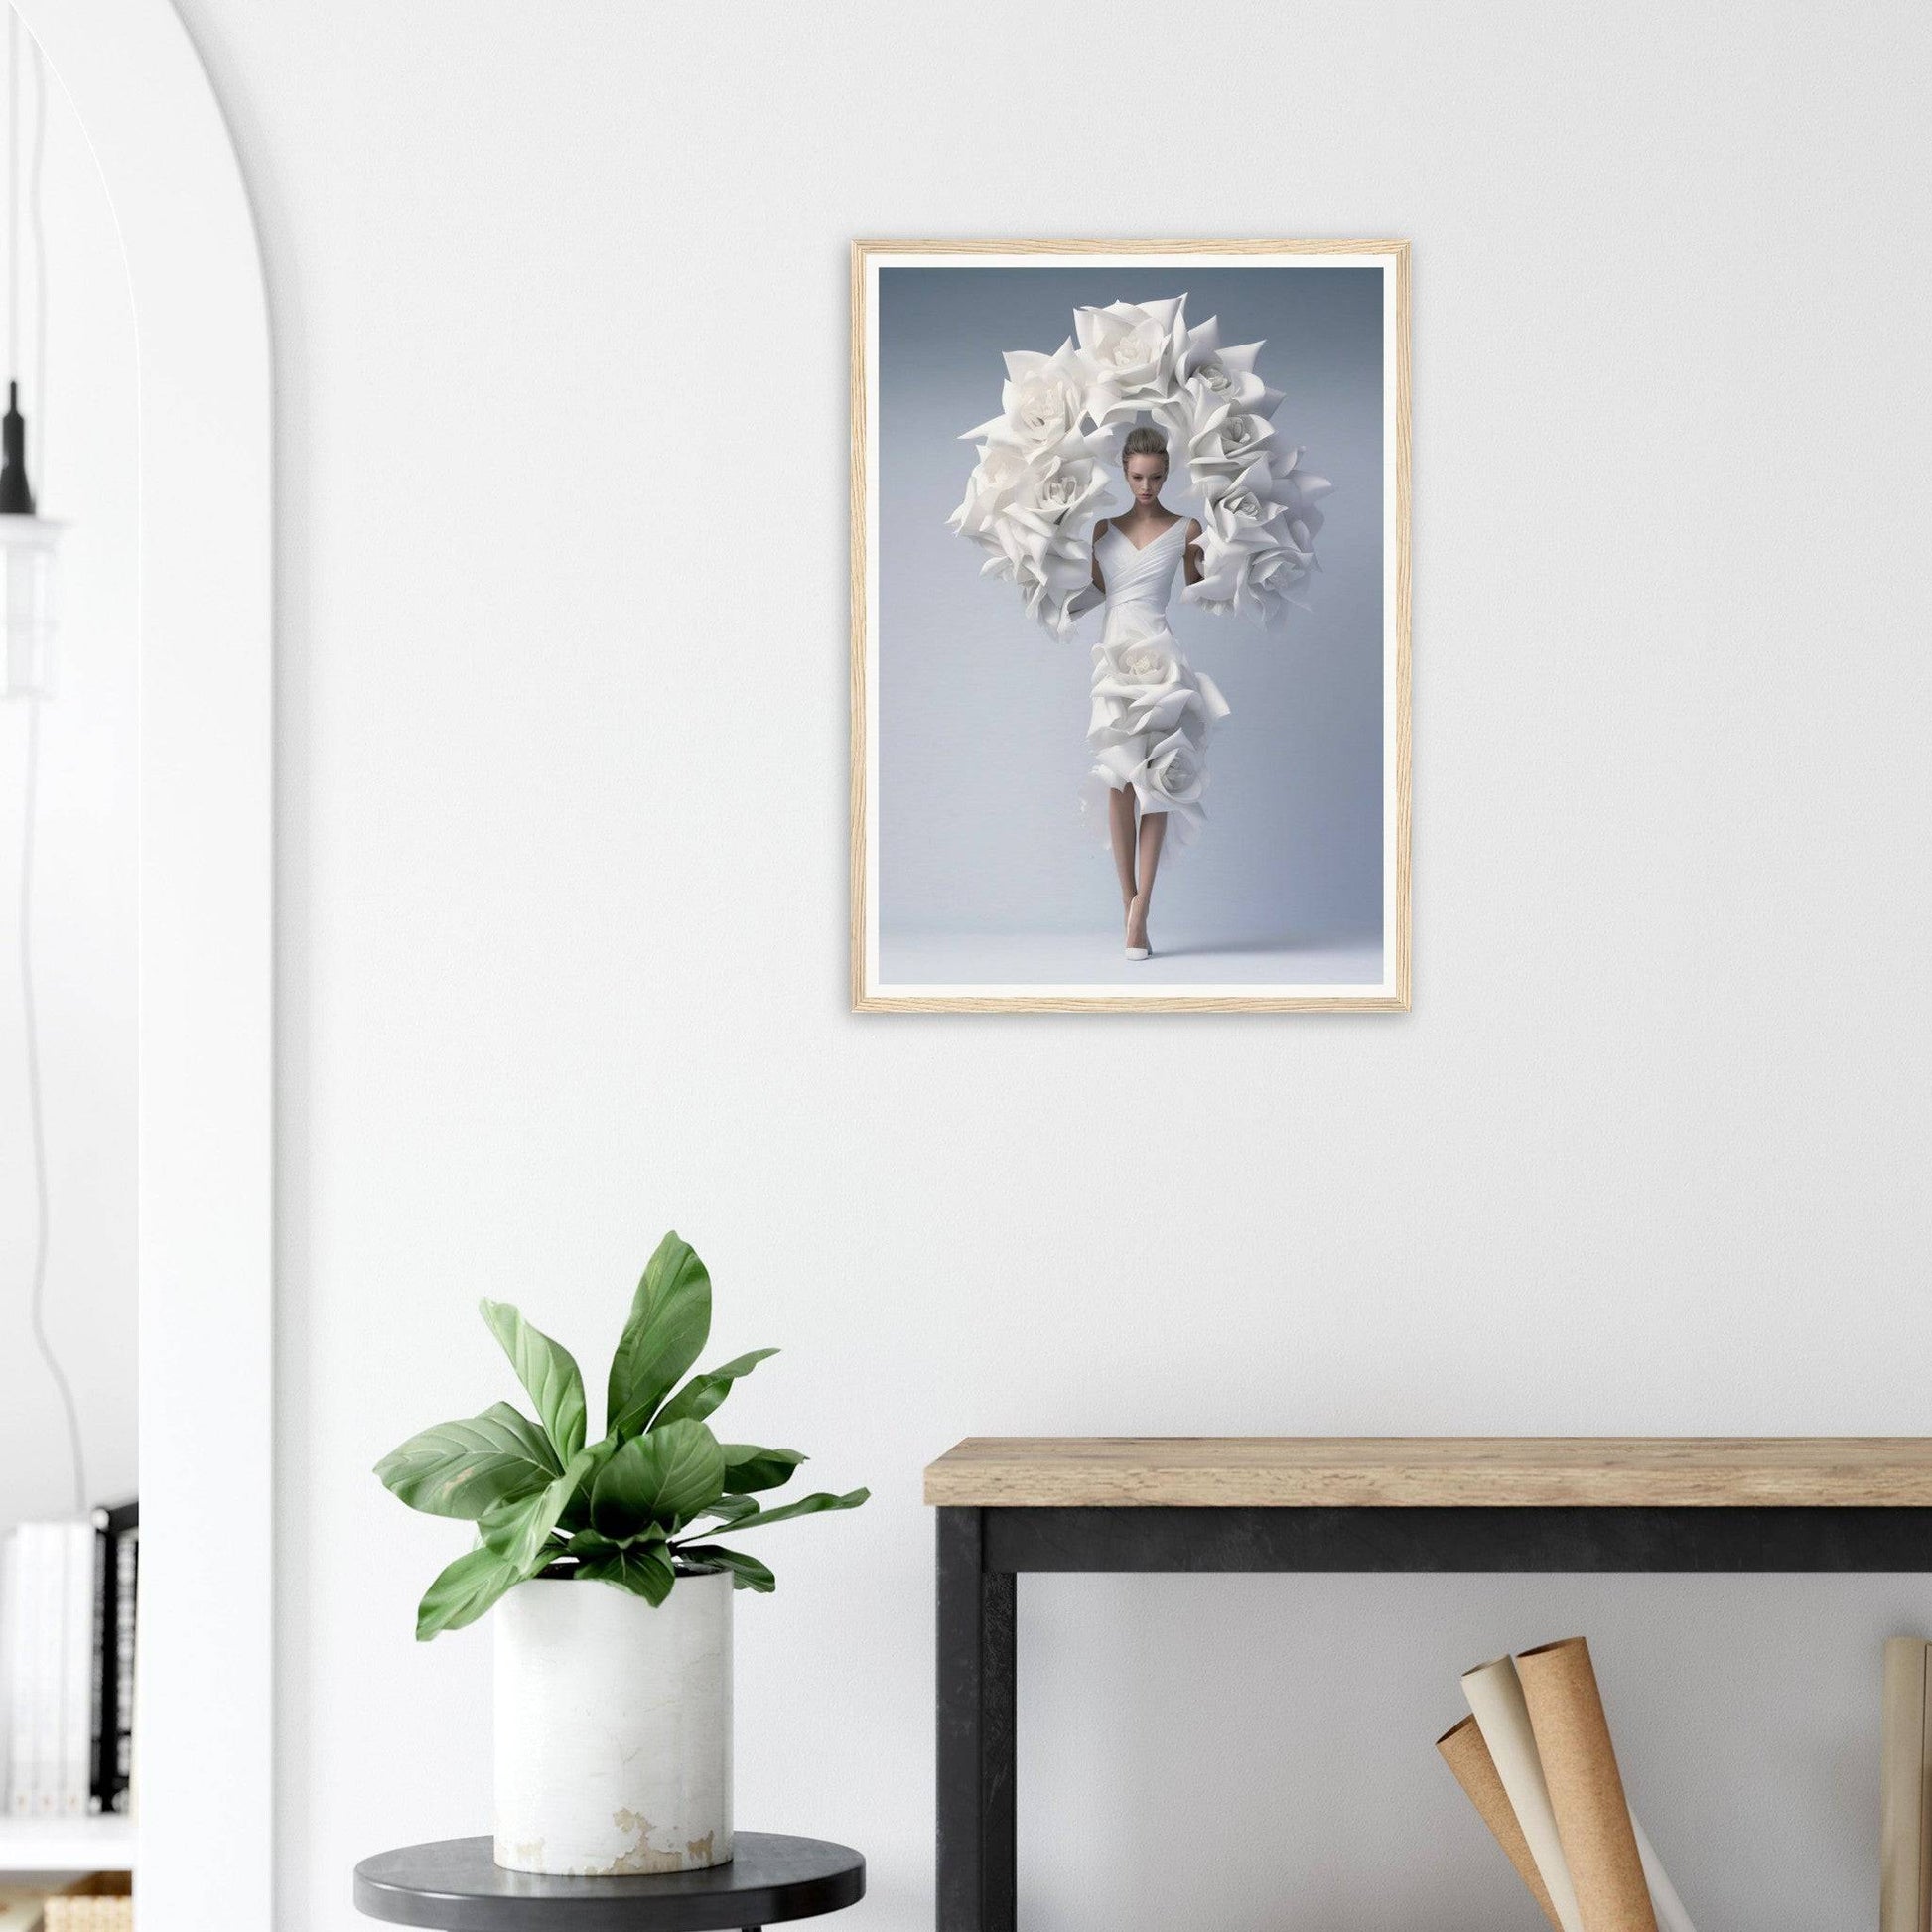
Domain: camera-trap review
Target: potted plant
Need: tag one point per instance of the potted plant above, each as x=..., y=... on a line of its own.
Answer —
x=614, y=1711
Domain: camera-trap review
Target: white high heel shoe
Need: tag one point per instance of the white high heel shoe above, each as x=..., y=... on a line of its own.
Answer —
x=1139, y=952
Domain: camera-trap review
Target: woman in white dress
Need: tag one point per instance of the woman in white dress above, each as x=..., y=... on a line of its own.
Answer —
x=1152, y=711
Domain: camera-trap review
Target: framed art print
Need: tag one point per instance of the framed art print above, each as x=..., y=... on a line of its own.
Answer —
x=1130, y=625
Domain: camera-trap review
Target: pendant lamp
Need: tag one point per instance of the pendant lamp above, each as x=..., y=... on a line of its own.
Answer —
x=26, y=574
x=28, y=616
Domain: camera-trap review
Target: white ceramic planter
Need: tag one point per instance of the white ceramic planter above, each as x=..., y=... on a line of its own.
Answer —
x=614, y=1728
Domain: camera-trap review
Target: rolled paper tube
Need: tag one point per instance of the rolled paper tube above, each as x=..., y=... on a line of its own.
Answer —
x=1573, y=1740
x=1902, y=1788
x=1671, y=1915
x=1496, y=1699
x=1469, y=1757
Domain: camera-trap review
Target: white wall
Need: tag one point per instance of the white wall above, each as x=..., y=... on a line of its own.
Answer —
x=561, y=330
x=82, y=455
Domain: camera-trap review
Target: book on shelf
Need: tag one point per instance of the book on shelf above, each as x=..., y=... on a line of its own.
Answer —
x=68, y=1598
x=119, y=1530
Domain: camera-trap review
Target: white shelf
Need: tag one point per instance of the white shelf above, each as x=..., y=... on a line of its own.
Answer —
x=66, y=1844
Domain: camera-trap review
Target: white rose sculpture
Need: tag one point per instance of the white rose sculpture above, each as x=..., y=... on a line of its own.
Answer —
x=1045, y=463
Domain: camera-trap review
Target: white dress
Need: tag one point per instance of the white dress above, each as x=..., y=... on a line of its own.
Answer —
x=1151, y=710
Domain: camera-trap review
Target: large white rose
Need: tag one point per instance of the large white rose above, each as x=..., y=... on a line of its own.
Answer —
x=1232, y=507
x=1060, y=498
x=1171, y=778
x=1041, y=535
x=1229, y=372
x=1034, y=517
x=998, y=474
x=1249, y=560
x=1140, y=685
x=1142, y=660
x=1129, y=351
x=1042, y=402
x=1251, y=576
x=1241, y=440
x=1217, y=439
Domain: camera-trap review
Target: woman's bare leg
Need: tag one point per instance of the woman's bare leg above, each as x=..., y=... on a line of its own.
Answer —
x=1120, y=821
x=1154, y=829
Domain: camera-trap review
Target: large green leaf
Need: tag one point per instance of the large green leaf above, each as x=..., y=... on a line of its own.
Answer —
x=548, y=1371
x=747, y=1573
x=732, y=1509
x=643, y=1570
x=577, y=1511
x=463, y=1592
x=670, y=1321
x=518, y=1531
x=618, y=1511
x=703, y=1393
x=587, y=1542
x=749, y=1467
x=666, y=1476
x=467, y=1468
x=805, y=1506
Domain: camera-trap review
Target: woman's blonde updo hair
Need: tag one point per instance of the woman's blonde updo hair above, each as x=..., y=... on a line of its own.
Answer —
x=1143, y=440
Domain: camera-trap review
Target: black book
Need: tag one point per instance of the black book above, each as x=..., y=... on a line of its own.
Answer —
x=117, y=1539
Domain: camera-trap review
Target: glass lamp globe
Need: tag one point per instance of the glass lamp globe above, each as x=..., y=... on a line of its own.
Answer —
x=27, y=614
x=27, y=541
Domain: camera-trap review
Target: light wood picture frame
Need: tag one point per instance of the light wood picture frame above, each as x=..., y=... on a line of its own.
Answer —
x=967, y=891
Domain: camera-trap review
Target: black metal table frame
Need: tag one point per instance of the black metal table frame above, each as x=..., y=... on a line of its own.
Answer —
x=982, y=1554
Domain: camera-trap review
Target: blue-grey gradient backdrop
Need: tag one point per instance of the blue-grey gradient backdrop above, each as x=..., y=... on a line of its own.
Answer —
x=983, y=715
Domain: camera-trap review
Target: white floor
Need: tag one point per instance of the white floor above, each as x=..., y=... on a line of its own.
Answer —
x=1097, y=959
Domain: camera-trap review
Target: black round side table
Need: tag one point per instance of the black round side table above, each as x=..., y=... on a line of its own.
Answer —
x=455, y=1885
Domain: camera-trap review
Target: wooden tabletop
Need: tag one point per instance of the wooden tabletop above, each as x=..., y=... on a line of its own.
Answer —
x=1439, y=1471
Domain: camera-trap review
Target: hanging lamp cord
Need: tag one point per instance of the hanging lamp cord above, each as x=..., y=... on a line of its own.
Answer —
x=30, y=1008
x=37, y=1119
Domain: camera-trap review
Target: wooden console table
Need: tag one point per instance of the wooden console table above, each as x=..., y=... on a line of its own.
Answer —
x=1282, y=1503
